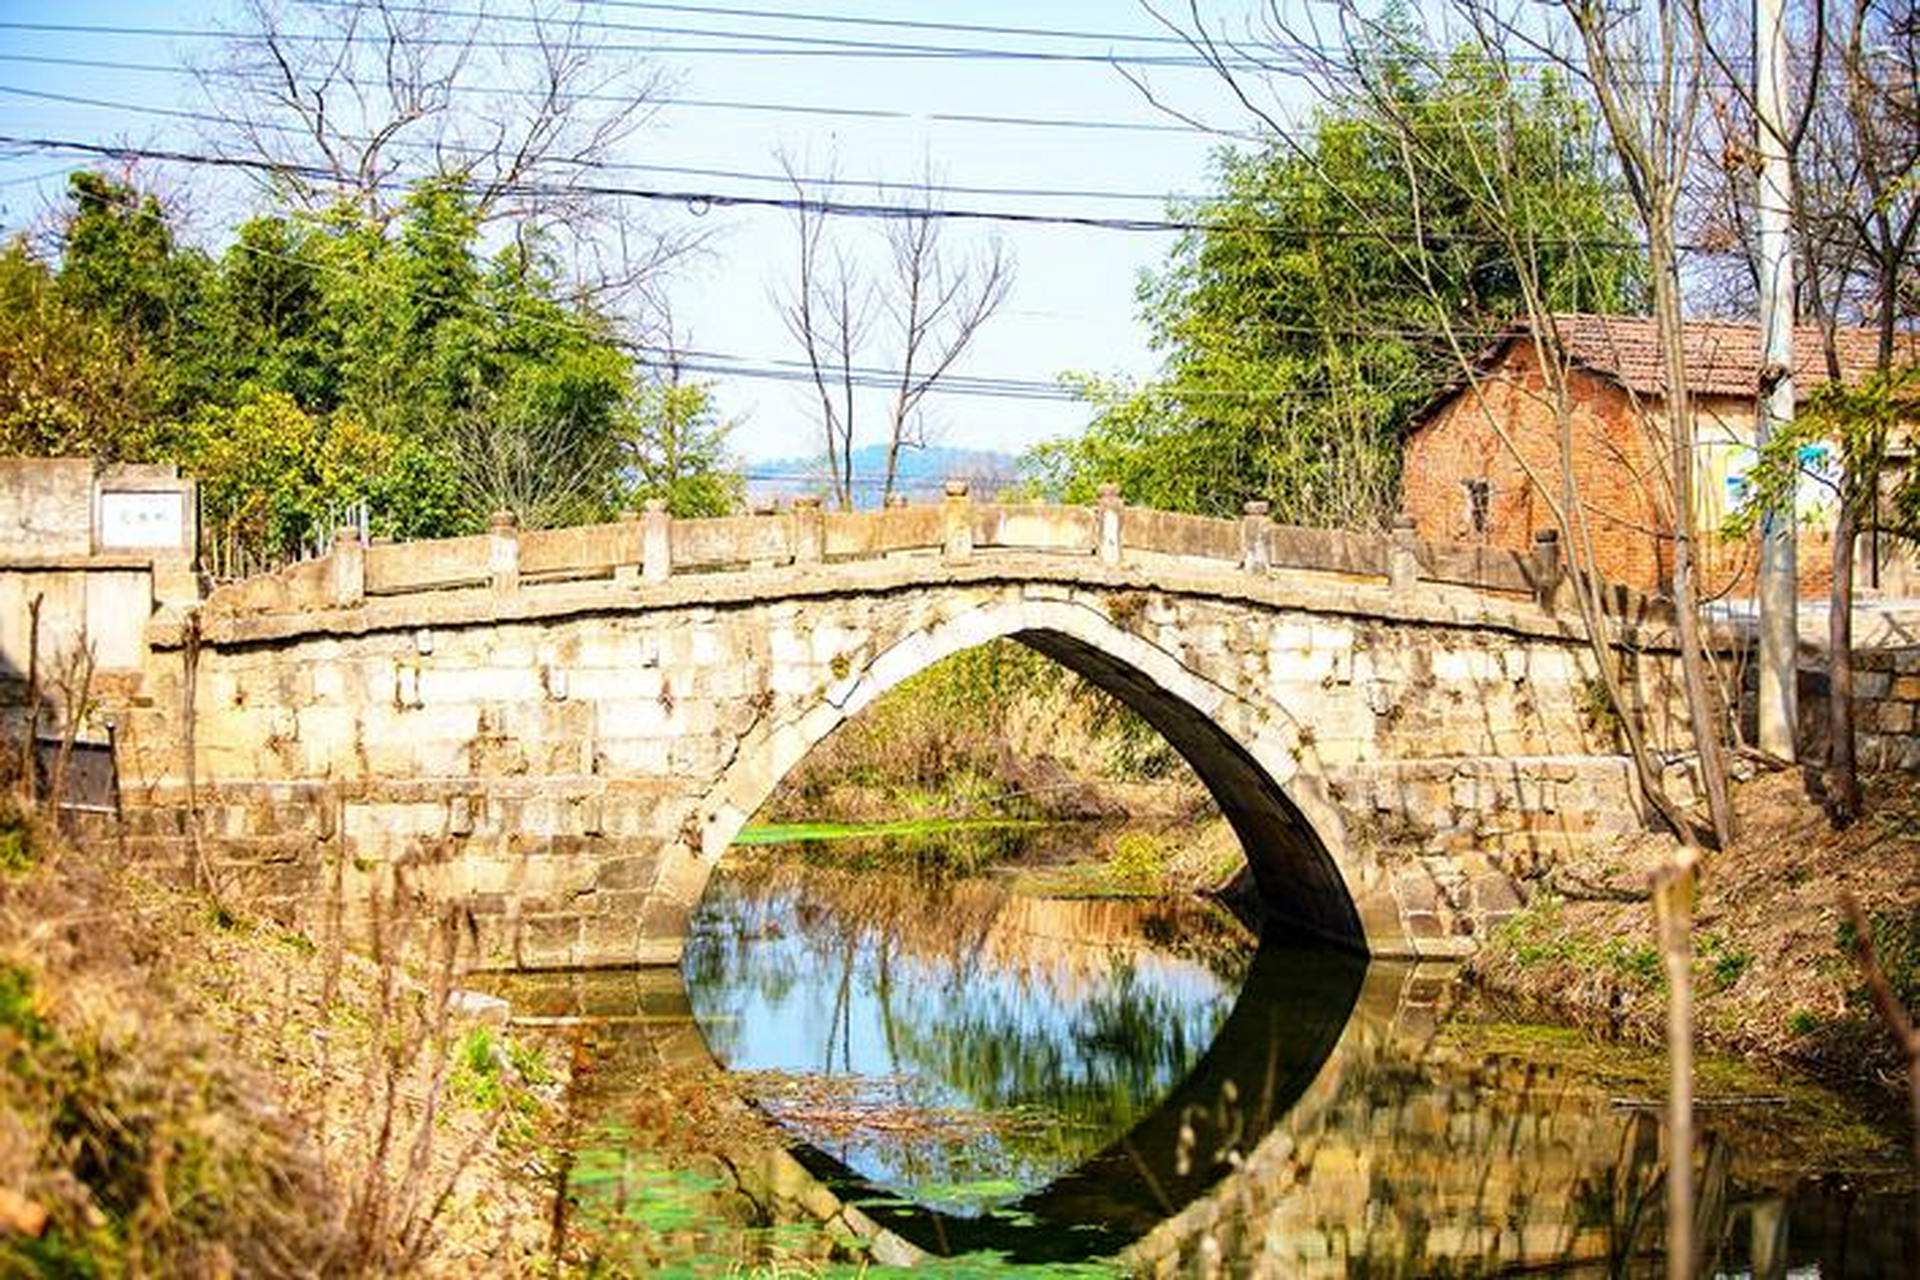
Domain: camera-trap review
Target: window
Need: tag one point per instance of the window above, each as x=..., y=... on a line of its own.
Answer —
x=1479, y=505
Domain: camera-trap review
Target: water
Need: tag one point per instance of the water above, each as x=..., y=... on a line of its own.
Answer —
x=957, y=1069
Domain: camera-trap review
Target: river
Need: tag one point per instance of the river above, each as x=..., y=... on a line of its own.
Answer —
x=860, y=1060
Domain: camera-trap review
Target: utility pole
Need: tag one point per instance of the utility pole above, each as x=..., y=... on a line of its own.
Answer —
x=1778, y=589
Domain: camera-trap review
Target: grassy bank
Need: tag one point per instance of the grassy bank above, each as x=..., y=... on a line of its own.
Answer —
x=189, y=1091
x=1772, y=971
x=996, y=731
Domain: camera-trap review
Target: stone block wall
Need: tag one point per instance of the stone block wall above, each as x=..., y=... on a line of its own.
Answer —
x=563, y=764
x=1886, y=710
x=101, y=550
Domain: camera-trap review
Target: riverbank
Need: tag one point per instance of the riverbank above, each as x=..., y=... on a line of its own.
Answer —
x=1773, y=975
x=188, y=1090
x=998, y=731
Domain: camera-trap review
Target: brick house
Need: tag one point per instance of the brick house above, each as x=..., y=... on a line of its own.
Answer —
x=1461, y=482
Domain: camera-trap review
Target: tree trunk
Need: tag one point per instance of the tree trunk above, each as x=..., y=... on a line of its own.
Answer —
x=1702, y=707
x=1843, y=777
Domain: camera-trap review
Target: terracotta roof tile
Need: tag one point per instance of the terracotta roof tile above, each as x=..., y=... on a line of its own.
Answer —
x=1723, y=356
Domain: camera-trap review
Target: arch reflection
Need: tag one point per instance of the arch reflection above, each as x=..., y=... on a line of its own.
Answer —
x=1045, y=1079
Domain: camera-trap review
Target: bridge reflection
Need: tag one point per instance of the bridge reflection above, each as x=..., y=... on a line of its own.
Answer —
x=1337, y=1123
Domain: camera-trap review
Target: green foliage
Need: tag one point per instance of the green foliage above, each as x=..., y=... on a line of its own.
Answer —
x=1803, y=1022
x=20, y=1011
x=1719, y=962
x=675, y=449
x=1597, y=709
x=70, y=383
x=1863, y=421
x=1540, y=935
x=495, y=1073
x=1301, y=322
x=327, y=360
x=17, y=851
x=1896, y=946
x=1139, y=862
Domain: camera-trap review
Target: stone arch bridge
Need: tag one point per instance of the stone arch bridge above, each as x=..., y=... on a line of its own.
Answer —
x=560, y=732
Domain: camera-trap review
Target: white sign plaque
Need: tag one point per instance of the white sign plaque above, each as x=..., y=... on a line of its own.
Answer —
x=143, y=518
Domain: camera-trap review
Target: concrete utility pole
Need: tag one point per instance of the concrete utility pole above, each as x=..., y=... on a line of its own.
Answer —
x=1778, y=588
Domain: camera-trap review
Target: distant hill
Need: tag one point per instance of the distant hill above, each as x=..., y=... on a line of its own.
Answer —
x=923, y=473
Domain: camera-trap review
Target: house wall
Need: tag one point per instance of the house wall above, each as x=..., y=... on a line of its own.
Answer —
x=1505, y=436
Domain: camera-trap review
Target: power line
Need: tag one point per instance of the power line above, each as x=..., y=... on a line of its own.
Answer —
x=899, y=24
x=983, y=119
x=827, y=206
x=768, y=44
x=741, y=175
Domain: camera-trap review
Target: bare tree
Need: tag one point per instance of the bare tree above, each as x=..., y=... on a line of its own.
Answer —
x=899, y=326
x=351, y=101
x=1853, y=149
x=1642, y=70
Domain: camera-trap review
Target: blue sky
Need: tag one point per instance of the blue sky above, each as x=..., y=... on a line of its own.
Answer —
x=1072, y=304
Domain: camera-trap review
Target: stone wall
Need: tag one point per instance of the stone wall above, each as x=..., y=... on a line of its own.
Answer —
x=101, y=550
x=1886, y=710
x=560, y=733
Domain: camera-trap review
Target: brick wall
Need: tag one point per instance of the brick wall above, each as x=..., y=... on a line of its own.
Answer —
x=1505, y=437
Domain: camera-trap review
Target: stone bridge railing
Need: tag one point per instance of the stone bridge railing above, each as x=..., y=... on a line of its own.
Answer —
x=653, y=547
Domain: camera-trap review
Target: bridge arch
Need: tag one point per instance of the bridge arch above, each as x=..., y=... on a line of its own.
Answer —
x=1250, y=756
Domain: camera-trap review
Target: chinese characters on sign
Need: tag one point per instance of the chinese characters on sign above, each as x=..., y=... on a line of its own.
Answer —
x=144, y=519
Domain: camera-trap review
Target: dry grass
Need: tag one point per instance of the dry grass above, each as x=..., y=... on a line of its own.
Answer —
x=185, y=1092
x=1771, y=963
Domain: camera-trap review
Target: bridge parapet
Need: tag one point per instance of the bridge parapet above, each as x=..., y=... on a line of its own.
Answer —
x=652, y=547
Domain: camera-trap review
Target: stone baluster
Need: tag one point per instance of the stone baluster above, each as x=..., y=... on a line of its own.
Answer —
x=1110, y=507
x=958, y=543
x=1403, y=555
x=1549, y=571
x=1256, y=538
x=632, y=553
x=656, y=542
x=503, y=551
x=809, y=530
x=349, y=568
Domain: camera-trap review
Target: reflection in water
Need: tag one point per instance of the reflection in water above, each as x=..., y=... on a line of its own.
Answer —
x=1056, y=1080
x=956, y=1044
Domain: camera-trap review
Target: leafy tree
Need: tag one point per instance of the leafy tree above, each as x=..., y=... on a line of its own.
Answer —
x=273, y=476
x=328, y=359
x=674, y=447
x=1871, y=492
x=69, y=383
x=118, y=260
x=1297, y=346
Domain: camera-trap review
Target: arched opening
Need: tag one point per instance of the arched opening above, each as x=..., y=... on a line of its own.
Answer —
x=1249, y=757
x=1267, y=1024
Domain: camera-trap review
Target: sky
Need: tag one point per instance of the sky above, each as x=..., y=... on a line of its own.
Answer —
x=1072, y=304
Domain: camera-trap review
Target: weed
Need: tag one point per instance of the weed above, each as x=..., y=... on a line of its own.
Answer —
x=1719, y=963
x=1139, y=861
x=1539, y=936
x=1803, y=1022
x=17, y=852
x=479, y=1068
x=1596, y=709
x=1896, y=944
x=20, y=1011
x=295, y=941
